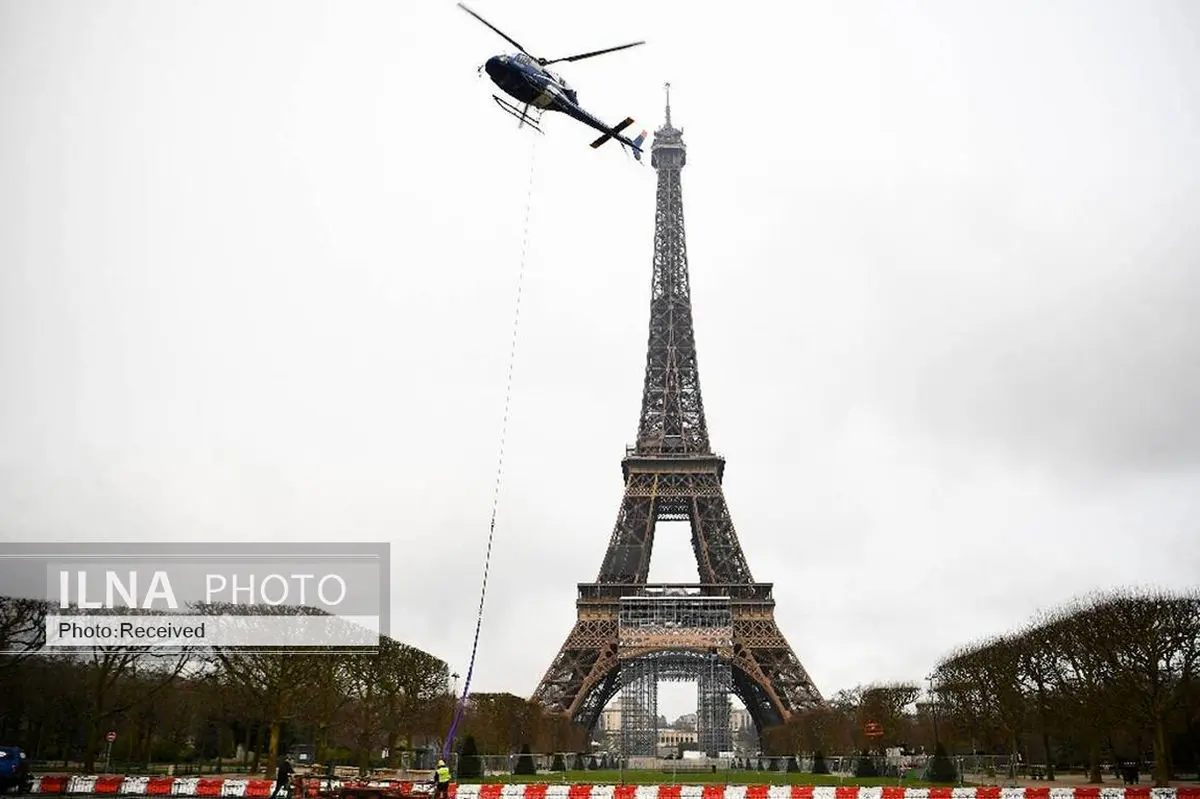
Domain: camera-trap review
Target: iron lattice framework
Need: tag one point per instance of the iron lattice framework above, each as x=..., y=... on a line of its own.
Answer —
x=672, y=474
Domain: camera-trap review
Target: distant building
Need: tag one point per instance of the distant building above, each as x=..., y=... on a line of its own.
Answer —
x=610, y=720
x=742, y=731
x=673, y=741
x=673, y=738
x=681, y=732
x=685, y=722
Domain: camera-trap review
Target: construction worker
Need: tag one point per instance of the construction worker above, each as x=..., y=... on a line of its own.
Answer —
x=441, y=781
x=282, y=780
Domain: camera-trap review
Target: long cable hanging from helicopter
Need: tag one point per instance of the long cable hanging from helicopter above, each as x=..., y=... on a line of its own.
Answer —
x=512, y=355
x=526, y=78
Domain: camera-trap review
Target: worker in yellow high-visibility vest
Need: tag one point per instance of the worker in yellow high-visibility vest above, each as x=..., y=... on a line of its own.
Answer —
x=441, y=781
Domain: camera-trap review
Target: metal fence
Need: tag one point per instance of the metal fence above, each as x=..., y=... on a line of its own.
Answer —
x=607, y=767
x=968, y=768
x=736, y=769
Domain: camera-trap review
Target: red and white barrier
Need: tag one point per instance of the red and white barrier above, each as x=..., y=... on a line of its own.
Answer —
x=560, y=791
x=219, y=787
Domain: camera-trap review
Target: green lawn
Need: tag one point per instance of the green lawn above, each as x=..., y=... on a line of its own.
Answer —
x=667, y=777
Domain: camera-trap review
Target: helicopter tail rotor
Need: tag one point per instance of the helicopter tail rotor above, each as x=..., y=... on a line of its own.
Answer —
x=615, y=130
x=615, y=133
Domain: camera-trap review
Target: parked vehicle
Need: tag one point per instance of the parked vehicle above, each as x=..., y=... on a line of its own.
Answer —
x=14, y=770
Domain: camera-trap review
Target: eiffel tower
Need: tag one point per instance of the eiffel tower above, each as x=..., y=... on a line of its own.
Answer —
x=720, y=631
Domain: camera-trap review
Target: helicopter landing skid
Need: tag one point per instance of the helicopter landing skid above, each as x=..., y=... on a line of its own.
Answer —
x=521, y=115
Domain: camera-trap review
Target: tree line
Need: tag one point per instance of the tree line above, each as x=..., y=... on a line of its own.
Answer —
x=202, y=704
x=1105, y=679
x=1108, y=678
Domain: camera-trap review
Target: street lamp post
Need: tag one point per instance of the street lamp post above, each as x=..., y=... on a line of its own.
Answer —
x=934, y=712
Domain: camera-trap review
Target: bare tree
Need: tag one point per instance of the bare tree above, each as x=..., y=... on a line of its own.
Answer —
x=1042, y=674
x=330, y=694
x=22, y=629
x=965, y=693
x=888, y=704
x=1151, y=658
x=273, y=680
x=106, y=668
x=1082, y=638
x=1102, y=671
x=373, y=682
x=421, y=680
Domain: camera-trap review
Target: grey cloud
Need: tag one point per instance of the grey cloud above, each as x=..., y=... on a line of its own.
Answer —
x=257, y=274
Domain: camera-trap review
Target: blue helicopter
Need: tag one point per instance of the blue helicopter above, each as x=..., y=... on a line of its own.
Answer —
x=525, y=78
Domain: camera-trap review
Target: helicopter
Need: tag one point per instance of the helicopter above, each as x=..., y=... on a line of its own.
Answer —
x=525, y=78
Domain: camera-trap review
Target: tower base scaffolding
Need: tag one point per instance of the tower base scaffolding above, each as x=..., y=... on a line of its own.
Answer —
x=675, y=636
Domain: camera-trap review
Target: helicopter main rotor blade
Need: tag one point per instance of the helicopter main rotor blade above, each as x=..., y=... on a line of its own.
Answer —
x=503, y=35
x=582, y=56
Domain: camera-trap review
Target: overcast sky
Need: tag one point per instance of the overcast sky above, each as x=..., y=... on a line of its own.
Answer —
x=258, y=263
